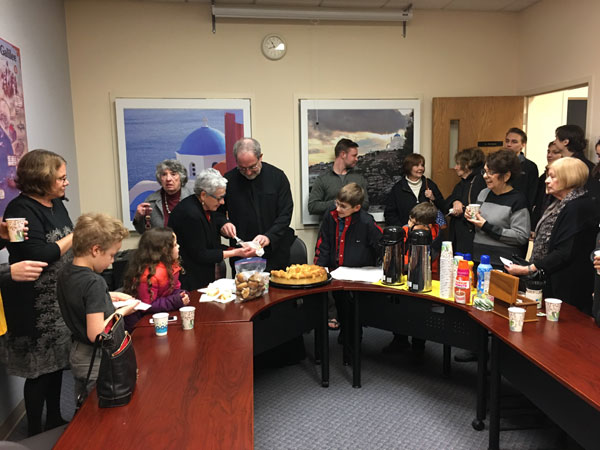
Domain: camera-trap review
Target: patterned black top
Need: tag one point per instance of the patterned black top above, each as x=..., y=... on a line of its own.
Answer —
x=38, y=341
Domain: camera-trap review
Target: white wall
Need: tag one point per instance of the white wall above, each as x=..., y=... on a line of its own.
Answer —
x=37, y=27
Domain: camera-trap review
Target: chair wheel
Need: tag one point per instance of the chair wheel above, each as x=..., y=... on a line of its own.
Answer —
x=478, y=424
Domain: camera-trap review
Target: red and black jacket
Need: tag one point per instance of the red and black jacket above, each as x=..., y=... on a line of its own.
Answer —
x=357, y=246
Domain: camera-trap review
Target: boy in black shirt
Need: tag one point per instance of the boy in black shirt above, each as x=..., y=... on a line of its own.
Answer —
x=83, y=295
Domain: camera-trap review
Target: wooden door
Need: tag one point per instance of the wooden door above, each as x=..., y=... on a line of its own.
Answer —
x=472, y=122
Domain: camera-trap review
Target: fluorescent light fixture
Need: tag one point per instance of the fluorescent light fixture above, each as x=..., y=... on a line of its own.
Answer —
x=296, y=13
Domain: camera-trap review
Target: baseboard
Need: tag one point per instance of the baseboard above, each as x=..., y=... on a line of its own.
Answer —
x=17, y=414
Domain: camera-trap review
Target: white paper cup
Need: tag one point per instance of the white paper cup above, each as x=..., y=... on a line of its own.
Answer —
x=187, y=317
x=266, y=276
x=473, y=210
x=597, y=253
x=161, y=323
x=15, y=229
x=516, y=317
x=553, y=309
x=535, y=294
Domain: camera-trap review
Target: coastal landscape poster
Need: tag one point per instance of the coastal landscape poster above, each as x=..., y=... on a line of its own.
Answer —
x=385, y=130
x=199, y=133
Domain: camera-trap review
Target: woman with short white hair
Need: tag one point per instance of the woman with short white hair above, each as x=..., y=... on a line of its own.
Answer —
x=565, y=236
x=197, y=226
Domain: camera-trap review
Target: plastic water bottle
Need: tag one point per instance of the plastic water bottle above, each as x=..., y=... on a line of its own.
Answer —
x=483, y=275
x=446, y=270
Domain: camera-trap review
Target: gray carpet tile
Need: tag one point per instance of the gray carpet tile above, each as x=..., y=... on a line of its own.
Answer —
x=400, y=405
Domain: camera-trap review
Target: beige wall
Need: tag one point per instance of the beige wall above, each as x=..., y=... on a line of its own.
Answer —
x=559, y=49
x=168, y=50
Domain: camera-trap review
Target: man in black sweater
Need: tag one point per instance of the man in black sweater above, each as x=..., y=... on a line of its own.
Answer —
x=259, y=204
x=526, y=182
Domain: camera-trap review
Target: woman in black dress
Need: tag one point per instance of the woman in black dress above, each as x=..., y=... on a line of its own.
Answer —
x=38, y=342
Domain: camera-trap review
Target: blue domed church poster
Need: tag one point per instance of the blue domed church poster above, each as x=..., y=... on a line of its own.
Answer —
x=199, y=133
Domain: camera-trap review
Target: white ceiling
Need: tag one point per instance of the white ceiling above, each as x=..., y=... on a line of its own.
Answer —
x=448, y=5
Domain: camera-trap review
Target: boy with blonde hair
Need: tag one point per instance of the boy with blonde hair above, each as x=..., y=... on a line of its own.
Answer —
x=83, y=295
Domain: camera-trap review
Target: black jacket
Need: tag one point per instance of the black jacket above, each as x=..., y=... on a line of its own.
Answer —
x=358, y=246
x=569, y=272
x=200, y=242
x=527, y=181
x=263, y=205
x=401, y=200
x=466, y=191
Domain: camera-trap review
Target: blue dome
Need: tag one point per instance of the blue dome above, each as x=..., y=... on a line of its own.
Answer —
x=203, y=141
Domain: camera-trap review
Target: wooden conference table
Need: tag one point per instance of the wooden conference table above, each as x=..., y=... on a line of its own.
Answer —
x=195, y=387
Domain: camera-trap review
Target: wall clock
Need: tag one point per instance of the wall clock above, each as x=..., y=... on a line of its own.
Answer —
x=273, y=47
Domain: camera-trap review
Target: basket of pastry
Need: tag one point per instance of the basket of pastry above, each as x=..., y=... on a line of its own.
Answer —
x=249, y=281
x=300, y=276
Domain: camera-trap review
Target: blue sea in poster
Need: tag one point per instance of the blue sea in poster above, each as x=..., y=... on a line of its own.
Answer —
x=152, y=135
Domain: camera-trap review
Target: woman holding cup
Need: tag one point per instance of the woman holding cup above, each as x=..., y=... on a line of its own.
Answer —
x=565, y=236
x=38, y=342
x=469, y=163
x=156, y=209
x=502, y=223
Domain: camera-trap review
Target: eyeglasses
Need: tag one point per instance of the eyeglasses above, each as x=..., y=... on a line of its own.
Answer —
x=62, y=179
x=489, y=173
x=222, y=197
x=249, y=169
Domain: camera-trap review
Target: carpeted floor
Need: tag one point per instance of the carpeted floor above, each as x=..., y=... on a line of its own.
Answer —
x=401, y=405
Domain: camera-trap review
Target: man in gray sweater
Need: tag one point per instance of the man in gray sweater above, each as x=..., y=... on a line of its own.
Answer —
x=327, y=185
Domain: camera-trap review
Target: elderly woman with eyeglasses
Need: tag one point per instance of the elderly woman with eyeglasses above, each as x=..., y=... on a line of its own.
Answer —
x=198, y=231
x=502, y=224
x=565, y=236
x=156, y=209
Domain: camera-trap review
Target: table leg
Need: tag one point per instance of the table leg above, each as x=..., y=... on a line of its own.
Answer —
x=494, y=436
x=324, y=341
x=482, y=346
x=446, y=367
x=357, y=342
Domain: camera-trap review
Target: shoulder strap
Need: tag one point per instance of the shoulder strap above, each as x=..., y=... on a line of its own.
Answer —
x=81, y=397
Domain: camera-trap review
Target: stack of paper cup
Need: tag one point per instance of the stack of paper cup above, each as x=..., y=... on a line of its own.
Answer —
x=446, y=270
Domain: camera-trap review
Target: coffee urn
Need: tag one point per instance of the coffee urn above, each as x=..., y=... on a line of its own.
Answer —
x=393, y=255
x=419, y=262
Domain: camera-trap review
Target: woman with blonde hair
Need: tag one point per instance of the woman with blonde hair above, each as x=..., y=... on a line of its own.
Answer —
x=565, y=236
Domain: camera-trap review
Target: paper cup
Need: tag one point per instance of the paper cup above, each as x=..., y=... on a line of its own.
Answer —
x=161, y=322
x=473, y=210
x=187, y=317
x=553, y=309
x=15, y=229
x=535, y=294
x=266, y=276
x=516, y=317
x=597, y=253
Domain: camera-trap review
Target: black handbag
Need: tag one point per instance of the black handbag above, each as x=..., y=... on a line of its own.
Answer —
x=118, y=367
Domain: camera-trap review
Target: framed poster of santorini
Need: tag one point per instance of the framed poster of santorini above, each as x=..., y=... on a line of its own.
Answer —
x=385, y=130
x=13, y=132
x=199, y=133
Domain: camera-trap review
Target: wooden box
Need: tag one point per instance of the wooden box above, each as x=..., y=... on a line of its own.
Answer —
x=504, y=288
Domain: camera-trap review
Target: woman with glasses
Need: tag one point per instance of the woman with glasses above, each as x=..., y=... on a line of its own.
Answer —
x=156, y=209
x=197, y=230
x=469, y=163
x=38, y=342
x=542, y=199
x=502, y=224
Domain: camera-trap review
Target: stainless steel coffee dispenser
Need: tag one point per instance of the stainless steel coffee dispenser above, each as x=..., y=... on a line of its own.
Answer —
x=393, y=255
x=419, y=261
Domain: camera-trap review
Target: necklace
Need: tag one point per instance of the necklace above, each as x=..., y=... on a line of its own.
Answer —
x=165, y=202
